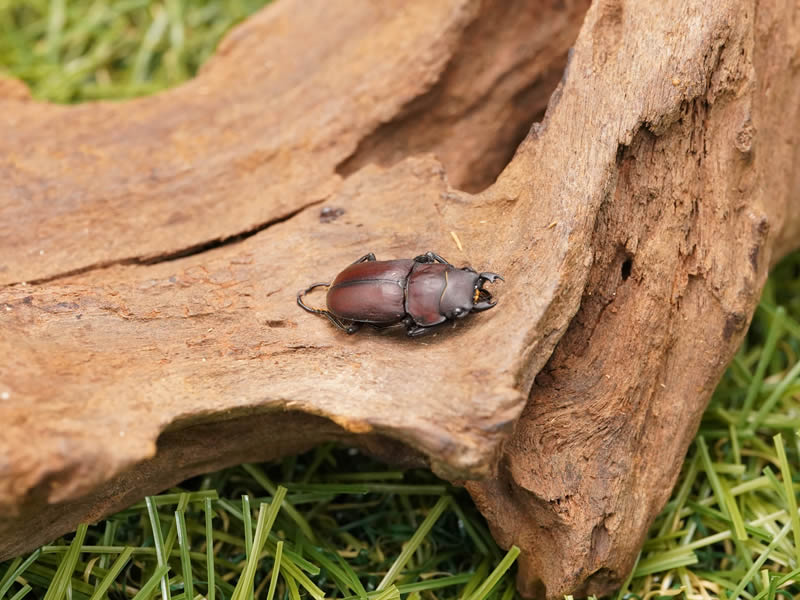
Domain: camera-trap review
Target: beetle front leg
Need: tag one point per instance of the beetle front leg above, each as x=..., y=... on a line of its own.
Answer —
x=366, y=258
x=430, y=257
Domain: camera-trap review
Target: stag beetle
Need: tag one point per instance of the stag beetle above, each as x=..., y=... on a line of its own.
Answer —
x=419, y=293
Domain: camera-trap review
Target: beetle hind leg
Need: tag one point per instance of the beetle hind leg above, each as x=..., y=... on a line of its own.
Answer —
x=352, y=328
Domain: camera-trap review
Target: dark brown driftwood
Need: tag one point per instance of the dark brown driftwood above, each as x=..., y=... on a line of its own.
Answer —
x=163, y=240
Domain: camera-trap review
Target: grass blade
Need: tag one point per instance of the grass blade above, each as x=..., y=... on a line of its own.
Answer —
x=55, y=26
x=11, y=573
x=108, y=540
x=430, y=584
x=791, y=326
x=345, y=578
x=230, y=508
x=673, y=518
x=160, y=574
x=172, y=534
x=733, y=511
x=22, y=593
x=475, y=581
x=773, y=398
x=623, y=590
x=791, y=499
x=760, y=561
x=390, y=593
x=151, y=39
x=509, y=592
x=303, y=580
x=434, y=584
x=308, y=567
x=711, y=474
x=775, y=331
x=294, y=593
x=170, y=499
x=276, y=569
x=58, y=587
x=246, y=578
x=266, y=483
x=414, y=542
x=113, y=572
x=665, y=562
x=158, y=542
x=496, y=574
x=247, y=516
x=209, y=515
x=480, y=545
x=186, y=561
x=266, y=518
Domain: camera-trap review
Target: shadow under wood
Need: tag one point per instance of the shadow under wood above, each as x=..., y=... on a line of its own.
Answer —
x=186, y=450
x=480, y=90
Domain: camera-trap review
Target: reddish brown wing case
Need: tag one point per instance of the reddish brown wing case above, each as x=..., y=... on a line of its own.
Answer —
x=372, y=292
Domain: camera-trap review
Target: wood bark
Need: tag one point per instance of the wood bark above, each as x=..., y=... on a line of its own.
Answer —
x=150, y=252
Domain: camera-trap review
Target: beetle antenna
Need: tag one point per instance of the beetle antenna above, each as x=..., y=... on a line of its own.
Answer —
x=318, y=311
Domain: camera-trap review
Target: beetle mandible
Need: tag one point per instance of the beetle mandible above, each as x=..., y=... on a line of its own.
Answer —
x=420, y=293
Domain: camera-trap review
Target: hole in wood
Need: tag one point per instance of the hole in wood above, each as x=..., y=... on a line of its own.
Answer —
x=626, y=269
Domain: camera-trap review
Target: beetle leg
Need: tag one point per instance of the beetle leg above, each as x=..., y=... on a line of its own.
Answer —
x=430, y=257
x=353, y=327
x=325, y=313
x=366, y=258
x=414, y=330
x=335, y=320
x=419, y=331
x=491, y=277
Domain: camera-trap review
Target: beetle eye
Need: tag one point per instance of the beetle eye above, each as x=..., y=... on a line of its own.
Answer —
x=457, y=312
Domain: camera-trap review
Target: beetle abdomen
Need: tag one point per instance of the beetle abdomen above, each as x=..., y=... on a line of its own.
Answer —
x=371, y=292
x=426, y=284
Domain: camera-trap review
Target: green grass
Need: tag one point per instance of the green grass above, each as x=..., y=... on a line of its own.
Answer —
x=367, y=544
x=74, y=50
x=333, y=523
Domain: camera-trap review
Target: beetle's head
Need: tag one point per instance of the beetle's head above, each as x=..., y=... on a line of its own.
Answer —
x=464, y=293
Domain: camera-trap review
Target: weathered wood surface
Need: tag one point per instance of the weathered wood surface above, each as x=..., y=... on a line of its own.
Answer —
x=634, y=225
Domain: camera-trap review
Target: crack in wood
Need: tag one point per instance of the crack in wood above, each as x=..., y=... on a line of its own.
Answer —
x=192, y=250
